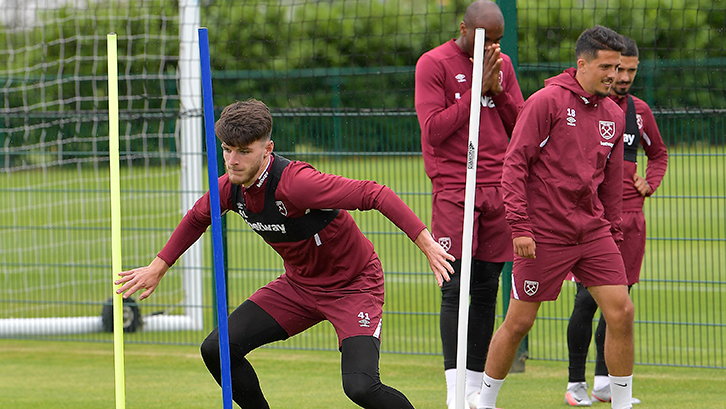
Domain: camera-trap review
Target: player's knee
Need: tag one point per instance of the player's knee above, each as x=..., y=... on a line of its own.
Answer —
x=521, y=330
x=620, y=317
x=210, y=350
x=450, y=291
x=517, y=326
x=485, y=282
x=360, y=387
x=627, y=313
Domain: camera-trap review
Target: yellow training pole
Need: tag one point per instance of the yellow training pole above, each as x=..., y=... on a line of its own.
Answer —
x=113, y=150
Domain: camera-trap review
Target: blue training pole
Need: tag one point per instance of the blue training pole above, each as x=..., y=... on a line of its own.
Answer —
x=216, y=218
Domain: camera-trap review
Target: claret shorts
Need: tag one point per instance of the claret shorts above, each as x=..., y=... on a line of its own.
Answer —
x=354, y=310
x=594, y=263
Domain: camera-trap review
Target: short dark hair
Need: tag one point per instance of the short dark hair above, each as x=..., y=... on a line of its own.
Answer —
x=244, y=122
x=596, y=39
x=631, y=48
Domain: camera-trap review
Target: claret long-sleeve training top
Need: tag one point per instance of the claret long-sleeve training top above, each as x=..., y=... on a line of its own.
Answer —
x=332, y=257
x=563, y=171
x=443, y=102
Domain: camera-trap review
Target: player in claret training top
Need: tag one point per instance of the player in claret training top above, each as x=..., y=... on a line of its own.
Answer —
x=331, y=269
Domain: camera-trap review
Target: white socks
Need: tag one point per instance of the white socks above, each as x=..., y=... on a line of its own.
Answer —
x=450, y=375
x=489, y=391
x=601, y=381
x=473, y=383
x=621, y=390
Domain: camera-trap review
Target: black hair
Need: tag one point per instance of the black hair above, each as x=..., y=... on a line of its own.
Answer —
x=631, y=49
x=596, y=39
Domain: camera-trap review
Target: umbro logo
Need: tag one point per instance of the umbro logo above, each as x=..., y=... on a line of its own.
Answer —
x=460, y=77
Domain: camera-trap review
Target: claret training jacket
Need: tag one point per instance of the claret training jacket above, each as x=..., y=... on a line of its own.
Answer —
x=563, y=169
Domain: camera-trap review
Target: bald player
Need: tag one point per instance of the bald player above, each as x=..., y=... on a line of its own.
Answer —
x=443, y=100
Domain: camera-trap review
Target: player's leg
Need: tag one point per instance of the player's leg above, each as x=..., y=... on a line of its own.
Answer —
x=484, y=287
x=482, y=315
x=632, y=250
x=492, y=243
x=356, y=313
x=601, y=384
x=274, y=312
x=361, y=379
x=533, y=282
x=617, y=308
x=503, y=348
x=249, y=327
x=447, y=207
x=602, y=272
x=579, y=333
x=492, y=247
x=448, y=329
x=449, y=316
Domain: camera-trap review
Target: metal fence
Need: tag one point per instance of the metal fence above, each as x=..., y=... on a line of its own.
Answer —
x=347, y=108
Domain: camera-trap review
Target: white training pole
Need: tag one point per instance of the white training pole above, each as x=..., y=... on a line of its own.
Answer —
x=467, y=239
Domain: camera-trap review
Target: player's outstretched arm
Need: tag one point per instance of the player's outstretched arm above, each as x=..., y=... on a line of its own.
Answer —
x=146, y=278
x=437, y=256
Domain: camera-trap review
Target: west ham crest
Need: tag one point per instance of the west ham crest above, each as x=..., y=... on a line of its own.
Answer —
x=531, y=287
x=445, y=243
x=607, y=129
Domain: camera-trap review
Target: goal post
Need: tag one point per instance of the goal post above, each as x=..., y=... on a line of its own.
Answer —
x=191, y=137
x=54, y=139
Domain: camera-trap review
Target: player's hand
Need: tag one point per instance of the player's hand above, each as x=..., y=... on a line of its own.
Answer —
x=142, y=278
x=438, y=257
x=642, y=185
x=524, y=247
x=491, y=69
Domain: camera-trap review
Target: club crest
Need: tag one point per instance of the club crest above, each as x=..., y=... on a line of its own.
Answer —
x=445, y=243
x=531, y=287
x=281, y=207
x=607, y=129
x=639, y=120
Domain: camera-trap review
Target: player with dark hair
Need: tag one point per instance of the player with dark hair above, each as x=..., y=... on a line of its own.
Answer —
x=562, y=183
x=443, y=101
x=640, y=129
x=331, y=269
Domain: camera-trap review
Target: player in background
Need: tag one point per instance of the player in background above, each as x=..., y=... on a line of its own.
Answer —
x=331, y=269
x=563, y=191
x=443, y=101
x=640, y=130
